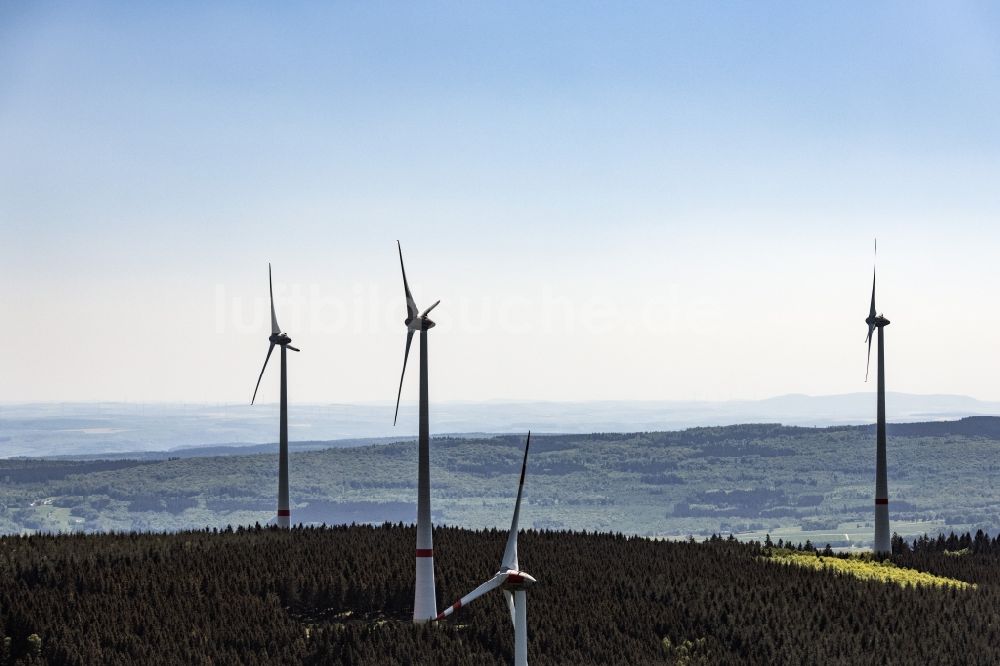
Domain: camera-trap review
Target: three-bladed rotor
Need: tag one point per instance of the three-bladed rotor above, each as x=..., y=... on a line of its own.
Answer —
x=510, y=577
x=276, y=337
x=415, y=321
x=874, y=321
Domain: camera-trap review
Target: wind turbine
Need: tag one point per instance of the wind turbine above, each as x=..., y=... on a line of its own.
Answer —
x=883, y=546
x=511, y=579
x=424, y=595
x=283, y=341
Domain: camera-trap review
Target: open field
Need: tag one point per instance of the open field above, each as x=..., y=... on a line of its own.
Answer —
x=849, y=536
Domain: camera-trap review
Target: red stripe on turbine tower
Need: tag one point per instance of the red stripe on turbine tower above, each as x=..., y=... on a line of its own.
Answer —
x=284, y=512
x=425, y=552
x=881, y=501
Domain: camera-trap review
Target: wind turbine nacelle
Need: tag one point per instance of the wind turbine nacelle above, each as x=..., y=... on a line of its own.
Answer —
x=280, y=339
x=419, y=324
x=519, y=580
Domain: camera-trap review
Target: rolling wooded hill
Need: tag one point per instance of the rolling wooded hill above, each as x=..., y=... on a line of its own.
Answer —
x=343, y=595
x=793, y=482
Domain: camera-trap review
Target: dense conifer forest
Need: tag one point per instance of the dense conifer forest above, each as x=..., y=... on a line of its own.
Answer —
x=343, y=595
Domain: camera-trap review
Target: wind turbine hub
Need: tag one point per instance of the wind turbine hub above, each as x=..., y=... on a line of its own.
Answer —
x=280, y=339
x=881, y=321
x=518, y=580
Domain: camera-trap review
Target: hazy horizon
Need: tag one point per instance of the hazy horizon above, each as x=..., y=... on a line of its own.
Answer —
x=74, y=428
x=458, y=401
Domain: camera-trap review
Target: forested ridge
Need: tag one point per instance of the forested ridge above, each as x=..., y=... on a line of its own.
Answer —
x=749, y=479
x=343, y=595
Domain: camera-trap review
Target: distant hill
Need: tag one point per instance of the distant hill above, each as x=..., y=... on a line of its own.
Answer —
x=972, y=426
x=791, y=481
x=128, y=430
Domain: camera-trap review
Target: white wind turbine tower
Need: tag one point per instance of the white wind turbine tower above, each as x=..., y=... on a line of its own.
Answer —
x=883, y=545
x=424, y=594
x=282, y=340
x=511, y=579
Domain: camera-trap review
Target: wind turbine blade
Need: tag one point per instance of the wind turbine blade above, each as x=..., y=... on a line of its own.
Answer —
x=269, y=350
x=489, y=585
x=424, y=313
x=293, y=348
x=868, y=366
x=510, y=605
x=406, y=355
x=871, y=316
x=871, y=311
x=274, y=319
x=411, y=306
x=510, y=553
x=871, y=330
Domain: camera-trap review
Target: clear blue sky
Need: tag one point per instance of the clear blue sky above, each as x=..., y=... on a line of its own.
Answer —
x=613, y=200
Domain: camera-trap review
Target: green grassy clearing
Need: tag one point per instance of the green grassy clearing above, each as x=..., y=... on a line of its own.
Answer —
x=866, y=568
